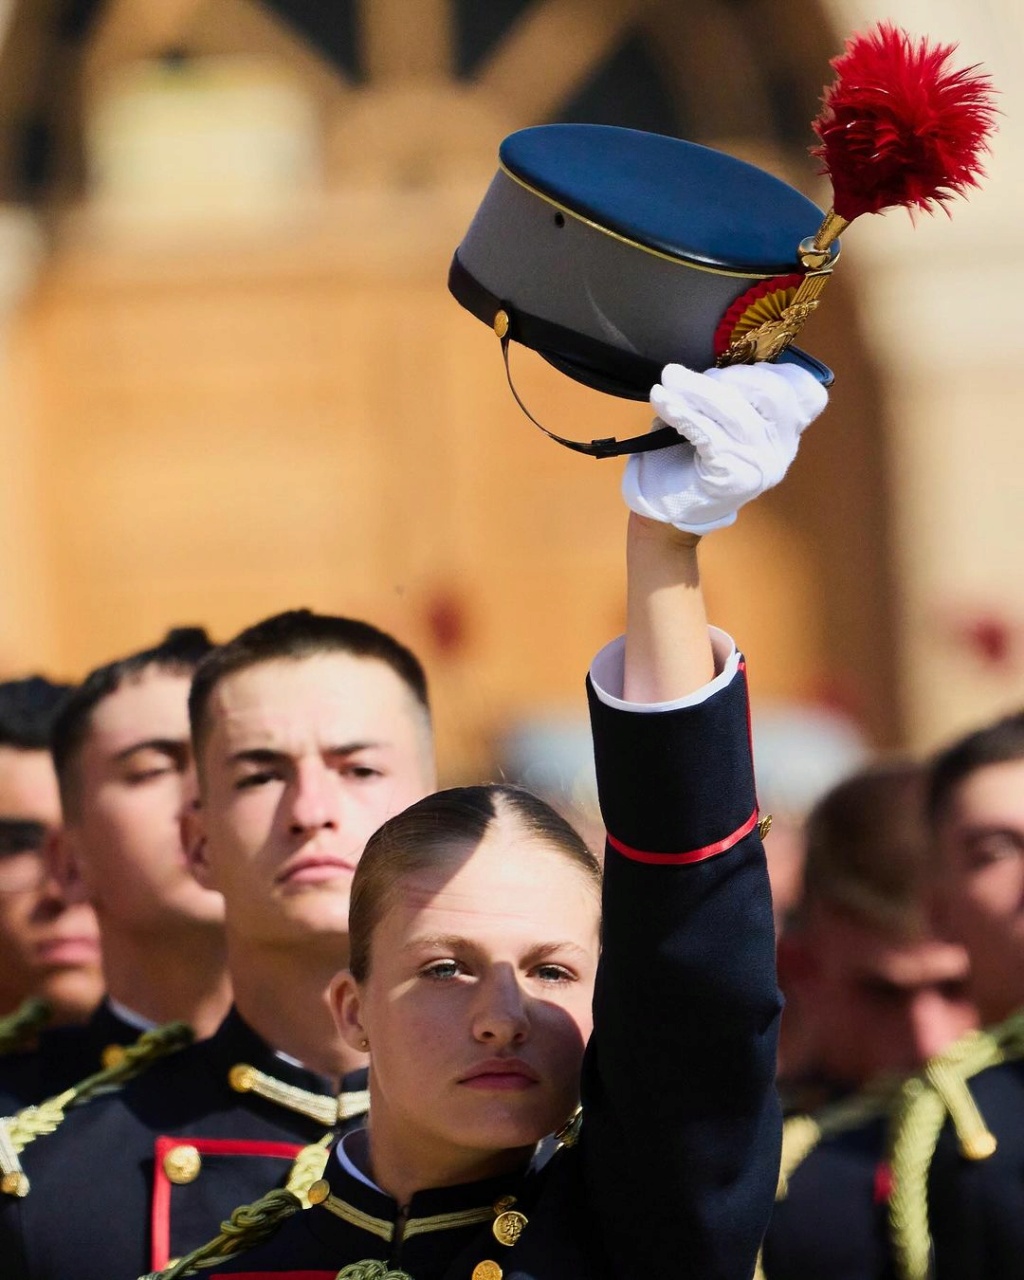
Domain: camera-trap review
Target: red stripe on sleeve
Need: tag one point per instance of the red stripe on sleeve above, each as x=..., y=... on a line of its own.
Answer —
x=691, y=855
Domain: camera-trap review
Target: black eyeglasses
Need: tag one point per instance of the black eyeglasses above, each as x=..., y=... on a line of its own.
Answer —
x=21, y=866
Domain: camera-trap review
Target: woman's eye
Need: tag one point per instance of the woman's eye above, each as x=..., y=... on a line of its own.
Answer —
x=442, y=970
x=554, y=973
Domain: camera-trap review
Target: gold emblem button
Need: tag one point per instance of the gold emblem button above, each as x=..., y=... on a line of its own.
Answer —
x=14, y=1184
x=319, y=1191
x=242, y=1078
x=501, y=323
x=487, y=1270
x=182, y=1164
x=764, y=826
x=508, y=1226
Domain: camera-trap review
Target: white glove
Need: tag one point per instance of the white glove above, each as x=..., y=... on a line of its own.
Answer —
x=741, y=426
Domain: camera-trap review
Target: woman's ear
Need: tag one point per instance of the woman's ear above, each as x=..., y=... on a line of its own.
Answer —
x=193, y=838
x=346, y=1004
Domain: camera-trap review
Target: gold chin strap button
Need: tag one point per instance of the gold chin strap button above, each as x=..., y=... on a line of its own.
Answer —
x=501, y=323
x=182, y=1164
x=487, y=1270
x=14, y=1184
x=319, y=1191
x=242, y=1078
x=112, y=1056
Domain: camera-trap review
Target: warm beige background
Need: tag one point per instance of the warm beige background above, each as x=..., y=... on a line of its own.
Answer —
x=234, y=380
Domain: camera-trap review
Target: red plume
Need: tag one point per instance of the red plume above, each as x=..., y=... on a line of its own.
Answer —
x=899, y=126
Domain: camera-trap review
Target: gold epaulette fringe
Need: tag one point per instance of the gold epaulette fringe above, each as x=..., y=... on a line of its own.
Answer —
x=18, y=1131
x=248, y=1226
x=19, y=1028
x=941, y=1090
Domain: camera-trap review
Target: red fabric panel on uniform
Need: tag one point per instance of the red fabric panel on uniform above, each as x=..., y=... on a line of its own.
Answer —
x=160, y=1208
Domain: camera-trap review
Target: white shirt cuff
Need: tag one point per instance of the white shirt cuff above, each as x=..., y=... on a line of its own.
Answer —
x=607, y=673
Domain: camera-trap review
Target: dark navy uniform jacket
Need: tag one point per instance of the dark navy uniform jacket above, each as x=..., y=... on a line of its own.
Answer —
x=63, y=1057
x=675, y=1169
x=833, y=1222
x=146, y=1174
x=976, y=1207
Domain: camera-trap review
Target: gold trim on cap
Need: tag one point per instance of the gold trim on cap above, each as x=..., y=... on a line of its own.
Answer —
x=738, y=273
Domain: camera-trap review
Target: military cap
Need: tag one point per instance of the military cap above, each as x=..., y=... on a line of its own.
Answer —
x=613, y=252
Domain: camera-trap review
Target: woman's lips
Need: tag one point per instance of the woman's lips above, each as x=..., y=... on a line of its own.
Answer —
x=501, y=1076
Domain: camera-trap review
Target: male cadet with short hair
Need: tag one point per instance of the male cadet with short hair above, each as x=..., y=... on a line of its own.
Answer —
x=873, y=990
x=49, y=948
x=961, y=1215
x=310, y=731
x=123, y=758
x=876, y=994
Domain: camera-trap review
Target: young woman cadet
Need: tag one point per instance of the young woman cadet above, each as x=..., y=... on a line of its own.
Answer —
x=481, y=992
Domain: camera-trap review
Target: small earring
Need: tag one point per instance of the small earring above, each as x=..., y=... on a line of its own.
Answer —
x=364, y=1044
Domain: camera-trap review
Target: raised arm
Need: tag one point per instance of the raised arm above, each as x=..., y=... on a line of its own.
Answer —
x=681, y=1126
x=668, y=652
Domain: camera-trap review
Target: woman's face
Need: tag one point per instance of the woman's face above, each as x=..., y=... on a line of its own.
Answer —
x=477, y=1006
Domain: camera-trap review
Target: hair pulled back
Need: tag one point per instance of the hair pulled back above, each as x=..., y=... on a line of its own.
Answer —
x=424, y=836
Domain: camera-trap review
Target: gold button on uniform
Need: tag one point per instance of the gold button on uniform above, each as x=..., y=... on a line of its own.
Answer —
x=508, y=1226
x=318, y=1191
x=182, y=1164
x=241, y=1078
x=112, y=1056
x=14, y=1184
x=486, y=1270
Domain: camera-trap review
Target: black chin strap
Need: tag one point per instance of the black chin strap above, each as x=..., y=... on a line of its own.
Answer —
x=608, y=447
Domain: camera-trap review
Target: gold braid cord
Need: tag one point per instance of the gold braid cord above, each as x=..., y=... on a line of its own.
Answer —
x=20, y=1027
x=802, y=1133
x=323, y=1108
x=370, y=1270
x=34, y=1122
x=308, y=1167
x=248, y=1226
x=940, y=1090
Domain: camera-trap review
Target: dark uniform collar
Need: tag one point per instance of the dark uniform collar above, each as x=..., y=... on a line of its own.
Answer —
x=358, y=1222
x=107, y=1026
